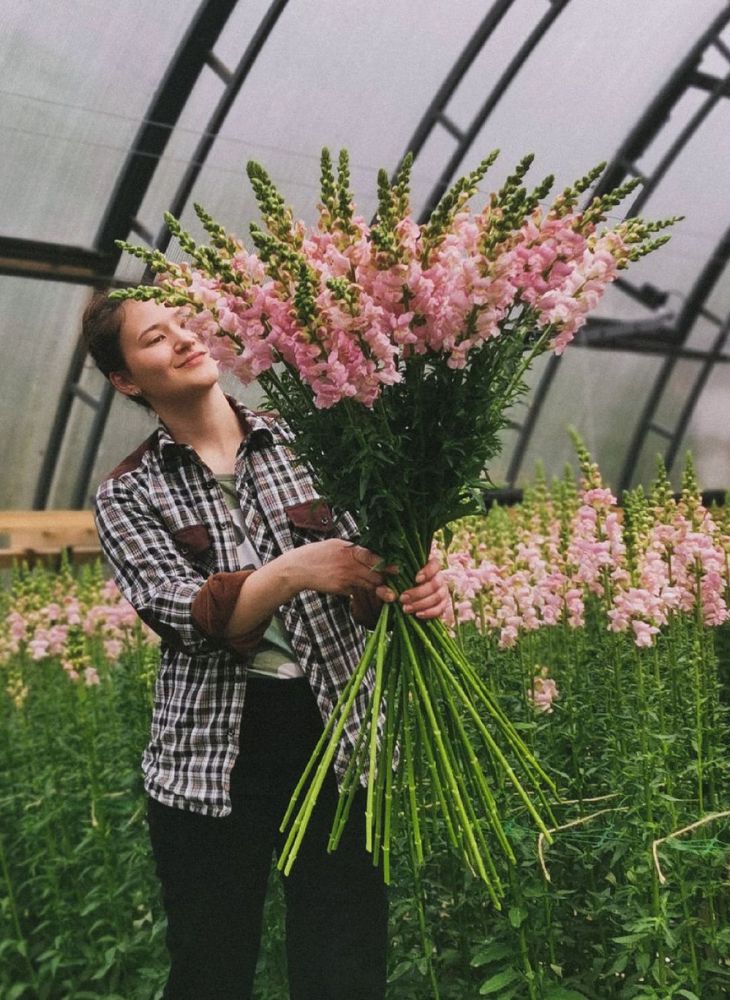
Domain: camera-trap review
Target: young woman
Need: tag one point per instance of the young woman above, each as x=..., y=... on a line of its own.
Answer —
x=219, y=540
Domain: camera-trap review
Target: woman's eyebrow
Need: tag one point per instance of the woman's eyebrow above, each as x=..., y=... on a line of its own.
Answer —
x=148, y=329
x=180, y=313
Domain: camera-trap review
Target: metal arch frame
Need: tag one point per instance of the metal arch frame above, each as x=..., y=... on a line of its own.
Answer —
x=667, y=342
x=465, y=139
x=99, y=264
x=436, y=111
x=693, y=309
x=193, y=54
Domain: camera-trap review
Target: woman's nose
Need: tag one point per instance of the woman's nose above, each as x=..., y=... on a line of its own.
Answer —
x=184, y=338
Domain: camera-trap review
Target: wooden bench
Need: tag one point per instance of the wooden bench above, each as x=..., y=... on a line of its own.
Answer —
x=33, y=536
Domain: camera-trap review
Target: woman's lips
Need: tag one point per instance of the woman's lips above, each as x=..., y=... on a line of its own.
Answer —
x=193, y=358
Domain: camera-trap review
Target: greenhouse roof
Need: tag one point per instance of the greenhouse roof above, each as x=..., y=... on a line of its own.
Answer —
x=112, y=114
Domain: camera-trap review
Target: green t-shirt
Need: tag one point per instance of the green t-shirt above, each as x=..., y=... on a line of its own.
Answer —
x=274, y=656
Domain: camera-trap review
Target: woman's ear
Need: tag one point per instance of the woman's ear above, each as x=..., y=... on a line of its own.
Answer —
x=123, y=383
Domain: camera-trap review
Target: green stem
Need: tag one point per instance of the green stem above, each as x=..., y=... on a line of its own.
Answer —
x=326, y=747
x=440, y=744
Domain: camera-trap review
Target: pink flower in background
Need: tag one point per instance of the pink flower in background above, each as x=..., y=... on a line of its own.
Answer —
x=113, y=648
x=644, y=633
x=66, y=630
x=110, y=591
x=18, y=626
x=543, y=692
x=535, y=574
x=91, y=677
x=70, y=670
x=38, y=645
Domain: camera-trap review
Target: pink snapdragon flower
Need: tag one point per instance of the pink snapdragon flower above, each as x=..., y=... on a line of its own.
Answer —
x=543, y=692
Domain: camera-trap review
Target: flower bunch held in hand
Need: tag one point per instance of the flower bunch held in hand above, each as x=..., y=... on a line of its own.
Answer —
x=393, y=350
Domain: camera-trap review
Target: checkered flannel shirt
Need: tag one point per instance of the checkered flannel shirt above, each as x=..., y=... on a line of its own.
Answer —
x=165, y=528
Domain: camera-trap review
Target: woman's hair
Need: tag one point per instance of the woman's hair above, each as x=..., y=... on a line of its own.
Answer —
x=101, y=329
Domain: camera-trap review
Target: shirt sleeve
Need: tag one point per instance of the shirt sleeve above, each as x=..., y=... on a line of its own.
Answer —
x=187, y=610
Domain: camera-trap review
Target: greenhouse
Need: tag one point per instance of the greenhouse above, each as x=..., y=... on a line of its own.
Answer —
x=364, y=553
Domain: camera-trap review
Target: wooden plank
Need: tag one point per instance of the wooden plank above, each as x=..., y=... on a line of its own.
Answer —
x=39, y=536
x=47, y=530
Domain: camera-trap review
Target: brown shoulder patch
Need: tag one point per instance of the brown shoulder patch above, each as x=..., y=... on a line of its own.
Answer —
x=132, y=461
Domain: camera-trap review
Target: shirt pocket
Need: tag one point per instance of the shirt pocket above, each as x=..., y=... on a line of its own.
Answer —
x=194, y=542
x=314, y=520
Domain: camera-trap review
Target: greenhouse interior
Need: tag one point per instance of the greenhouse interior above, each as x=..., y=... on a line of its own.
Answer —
x=364, y=553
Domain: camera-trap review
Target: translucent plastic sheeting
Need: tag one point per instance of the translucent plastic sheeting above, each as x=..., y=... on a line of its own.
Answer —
x=707, y=436
x=599, y=394
x=75, y=81
x=38, y=330
x=358, y=75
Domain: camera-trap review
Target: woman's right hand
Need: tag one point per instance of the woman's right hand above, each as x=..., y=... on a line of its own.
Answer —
x=334, y=566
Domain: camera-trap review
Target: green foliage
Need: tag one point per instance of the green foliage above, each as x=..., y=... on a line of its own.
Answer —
x=452, y=202
x=79, y=903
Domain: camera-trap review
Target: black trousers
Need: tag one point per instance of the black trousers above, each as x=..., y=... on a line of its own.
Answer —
x=214, y=871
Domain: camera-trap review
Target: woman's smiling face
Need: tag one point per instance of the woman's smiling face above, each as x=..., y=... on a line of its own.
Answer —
x=165, y=363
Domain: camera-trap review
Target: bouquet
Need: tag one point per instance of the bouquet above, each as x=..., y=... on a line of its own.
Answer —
x=394, y=350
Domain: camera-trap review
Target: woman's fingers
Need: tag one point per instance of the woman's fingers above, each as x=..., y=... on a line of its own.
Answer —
x=430, y=597
x=366, y=573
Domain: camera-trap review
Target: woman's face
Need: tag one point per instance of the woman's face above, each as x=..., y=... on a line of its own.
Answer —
x=165, y=363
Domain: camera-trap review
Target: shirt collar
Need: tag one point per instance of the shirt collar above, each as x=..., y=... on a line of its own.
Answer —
x=257, y=425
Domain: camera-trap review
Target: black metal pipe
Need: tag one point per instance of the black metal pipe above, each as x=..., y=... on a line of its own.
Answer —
x=128, y=195
x=688, y=315
x=491, y=102
x=695, y=393
x=458, y=71
x=215, y=123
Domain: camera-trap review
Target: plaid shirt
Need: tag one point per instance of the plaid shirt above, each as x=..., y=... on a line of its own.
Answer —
x=164, y=526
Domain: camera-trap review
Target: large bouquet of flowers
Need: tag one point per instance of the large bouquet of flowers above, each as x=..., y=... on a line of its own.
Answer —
x=393, y=350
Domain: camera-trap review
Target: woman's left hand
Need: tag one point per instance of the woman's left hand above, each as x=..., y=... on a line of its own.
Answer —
x=428, y=599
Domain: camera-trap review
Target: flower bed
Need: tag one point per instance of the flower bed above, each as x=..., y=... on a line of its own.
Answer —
x=597, y=631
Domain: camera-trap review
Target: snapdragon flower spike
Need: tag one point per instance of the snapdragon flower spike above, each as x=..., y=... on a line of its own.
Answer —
x=446, y=288
x=660, y=560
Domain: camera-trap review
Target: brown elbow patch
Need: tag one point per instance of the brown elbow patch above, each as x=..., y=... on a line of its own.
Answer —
x=213, y=606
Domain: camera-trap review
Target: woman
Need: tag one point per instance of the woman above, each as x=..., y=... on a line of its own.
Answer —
x=219, y=540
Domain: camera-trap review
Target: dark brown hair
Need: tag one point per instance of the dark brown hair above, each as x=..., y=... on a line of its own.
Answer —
x=101, y=329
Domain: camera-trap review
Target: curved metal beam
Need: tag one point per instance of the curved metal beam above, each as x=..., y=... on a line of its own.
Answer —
x=163, y=113
x=193, y=54
x=657, y=114
x=467, y=138
x=690, y=312
x=637, y=141
x=695, y=393
x=436, y=112
x=234, y=82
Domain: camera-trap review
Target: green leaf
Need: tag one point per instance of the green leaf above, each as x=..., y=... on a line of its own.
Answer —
x=643, y=961
x=491, y=953
x=16, y=992
x=498, y=982
x=517, y=915
x=562, y=993
x=400, y=970
x=620, y=964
